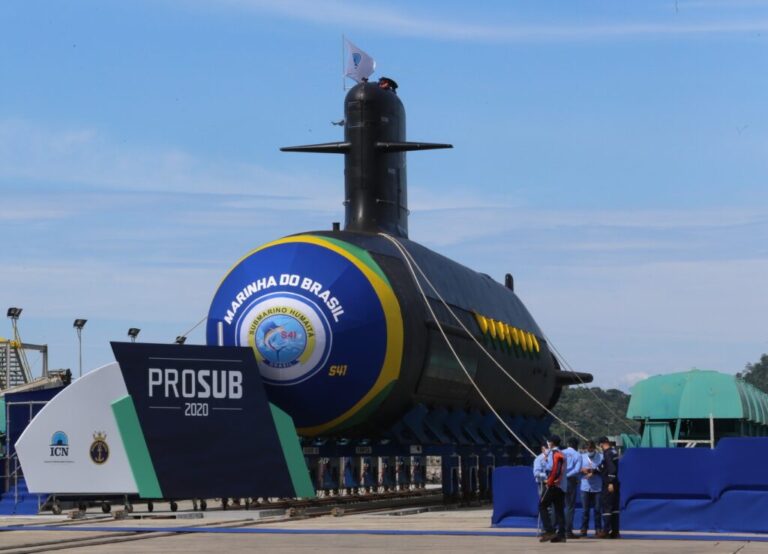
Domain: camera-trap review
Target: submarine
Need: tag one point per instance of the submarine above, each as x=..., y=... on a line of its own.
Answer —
x=342, y=336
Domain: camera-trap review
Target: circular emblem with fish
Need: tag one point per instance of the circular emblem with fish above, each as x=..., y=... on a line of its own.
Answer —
x=289, y=335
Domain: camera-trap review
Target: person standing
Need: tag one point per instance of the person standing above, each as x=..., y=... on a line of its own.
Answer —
x=591, y=489
x=554, y=493
x=573, y=475
x=540, y=470
x=609, y=470
x=540, y=476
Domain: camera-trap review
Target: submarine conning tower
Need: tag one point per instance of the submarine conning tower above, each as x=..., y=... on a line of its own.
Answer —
x=374, y=147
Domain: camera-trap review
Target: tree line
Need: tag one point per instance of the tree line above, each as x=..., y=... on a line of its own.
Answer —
x=580, y=408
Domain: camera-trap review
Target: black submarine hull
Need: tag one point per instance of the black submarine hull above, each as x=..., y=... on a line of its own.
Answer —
x=351, y=389
x=343, y=338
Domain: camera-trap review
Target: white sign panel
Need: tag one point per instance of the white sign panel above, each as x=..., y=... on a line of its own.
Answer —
x=73, y=445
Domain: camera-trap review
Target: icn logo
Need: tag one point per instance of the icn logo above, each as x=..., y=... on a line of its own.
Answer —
x=59, y=445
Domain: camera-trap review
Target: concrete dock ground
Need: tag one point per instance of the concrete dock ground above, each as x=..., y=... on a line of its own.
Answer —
x=456, y=530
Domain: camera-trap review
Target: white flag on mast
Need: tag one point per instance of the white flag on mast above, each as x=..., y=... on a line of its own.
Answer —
x=359, y=64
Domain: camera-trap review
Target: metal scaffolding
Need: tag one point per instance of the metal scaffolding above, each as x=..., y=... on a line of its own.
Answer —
x=14, y=368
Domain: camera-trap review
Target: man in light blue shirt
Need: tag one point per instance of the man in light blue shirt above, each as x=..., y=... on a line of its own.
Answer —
x=591, y=488
x=540, y=474
x=540, y=469
x=573, y=476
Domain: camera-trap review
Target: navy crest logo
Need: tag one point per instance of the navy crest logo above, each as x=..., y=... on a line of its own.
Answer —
x=99, y=450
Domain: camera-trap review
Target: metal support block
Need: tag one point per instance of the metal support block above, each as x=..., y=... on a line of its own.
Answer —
x=386, y=472
x=470, y=469
x=349, y=477
x=451, y=472
x=487, y=465
x=403, y=472
x=418, y=471
x=454, y=422
x=367, y=476
x=435, y=422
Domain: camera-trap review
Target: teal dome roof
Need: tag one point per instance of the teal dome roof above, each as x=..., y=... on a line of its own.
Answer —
x=696, y=394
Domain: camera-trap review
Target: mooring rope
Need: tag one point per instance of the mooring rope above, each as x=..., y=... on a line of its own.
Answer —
x=409, y=258
x=453, y=351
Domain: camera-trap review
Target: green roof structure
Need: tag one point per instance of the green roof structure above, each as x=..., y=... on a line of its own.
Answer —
x=686, y=401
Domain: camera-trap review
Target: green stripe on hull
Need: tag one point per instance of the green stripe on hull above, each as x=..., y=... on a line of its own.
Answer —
x=360, y=254
x=294, y=457
x=136, y=448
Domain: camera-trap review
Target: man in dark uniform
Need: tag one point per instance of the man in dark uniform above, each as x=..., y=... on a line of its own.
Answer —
x=609, y=470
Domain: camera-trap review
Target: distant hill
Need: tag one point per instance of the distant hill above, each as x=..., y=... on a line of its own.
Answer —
x=579, y=407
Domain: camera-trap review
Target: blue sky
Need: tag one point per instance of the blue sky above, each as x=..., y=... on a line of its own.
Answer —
x=612, y=156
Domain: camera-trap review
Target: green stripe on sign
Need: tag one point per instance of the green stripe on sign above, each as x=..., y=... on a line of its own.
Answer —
x=136, y=448
x=294, y=457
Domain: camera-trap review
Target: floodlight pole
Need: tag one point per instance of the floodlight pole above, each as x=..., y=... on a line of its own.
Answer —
x=78, y=325
x=80, y=351
x=13, y=315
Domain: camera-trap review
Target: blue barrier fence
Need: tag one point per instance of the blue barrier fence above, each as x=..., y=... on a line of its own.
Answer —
x=666, y=489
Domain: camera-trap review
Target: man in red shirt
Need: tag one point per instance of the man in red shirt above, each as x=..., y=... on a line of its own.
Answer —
x=554, y=493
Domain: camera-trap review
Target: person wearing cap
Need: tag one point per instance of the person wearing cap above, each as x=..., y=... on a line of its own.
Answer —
x=554, y=493
x=573, y=475
x=388, y=84
x=591, y=488
x=609, y=470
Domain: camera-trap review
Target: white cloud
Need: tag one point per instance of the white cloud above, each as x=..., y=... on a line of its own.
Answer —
x=719, y=4
x=84, y=156
x=463, y=222
x=21, y=211
x=659, y=317
x=634, y=377
x=423, y=200
x=426, y=25
x=109, y=290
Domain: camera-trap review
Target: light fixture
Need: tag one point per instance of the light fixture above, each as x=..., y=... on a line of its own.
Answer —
x=133, y=332
x=14, y=313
